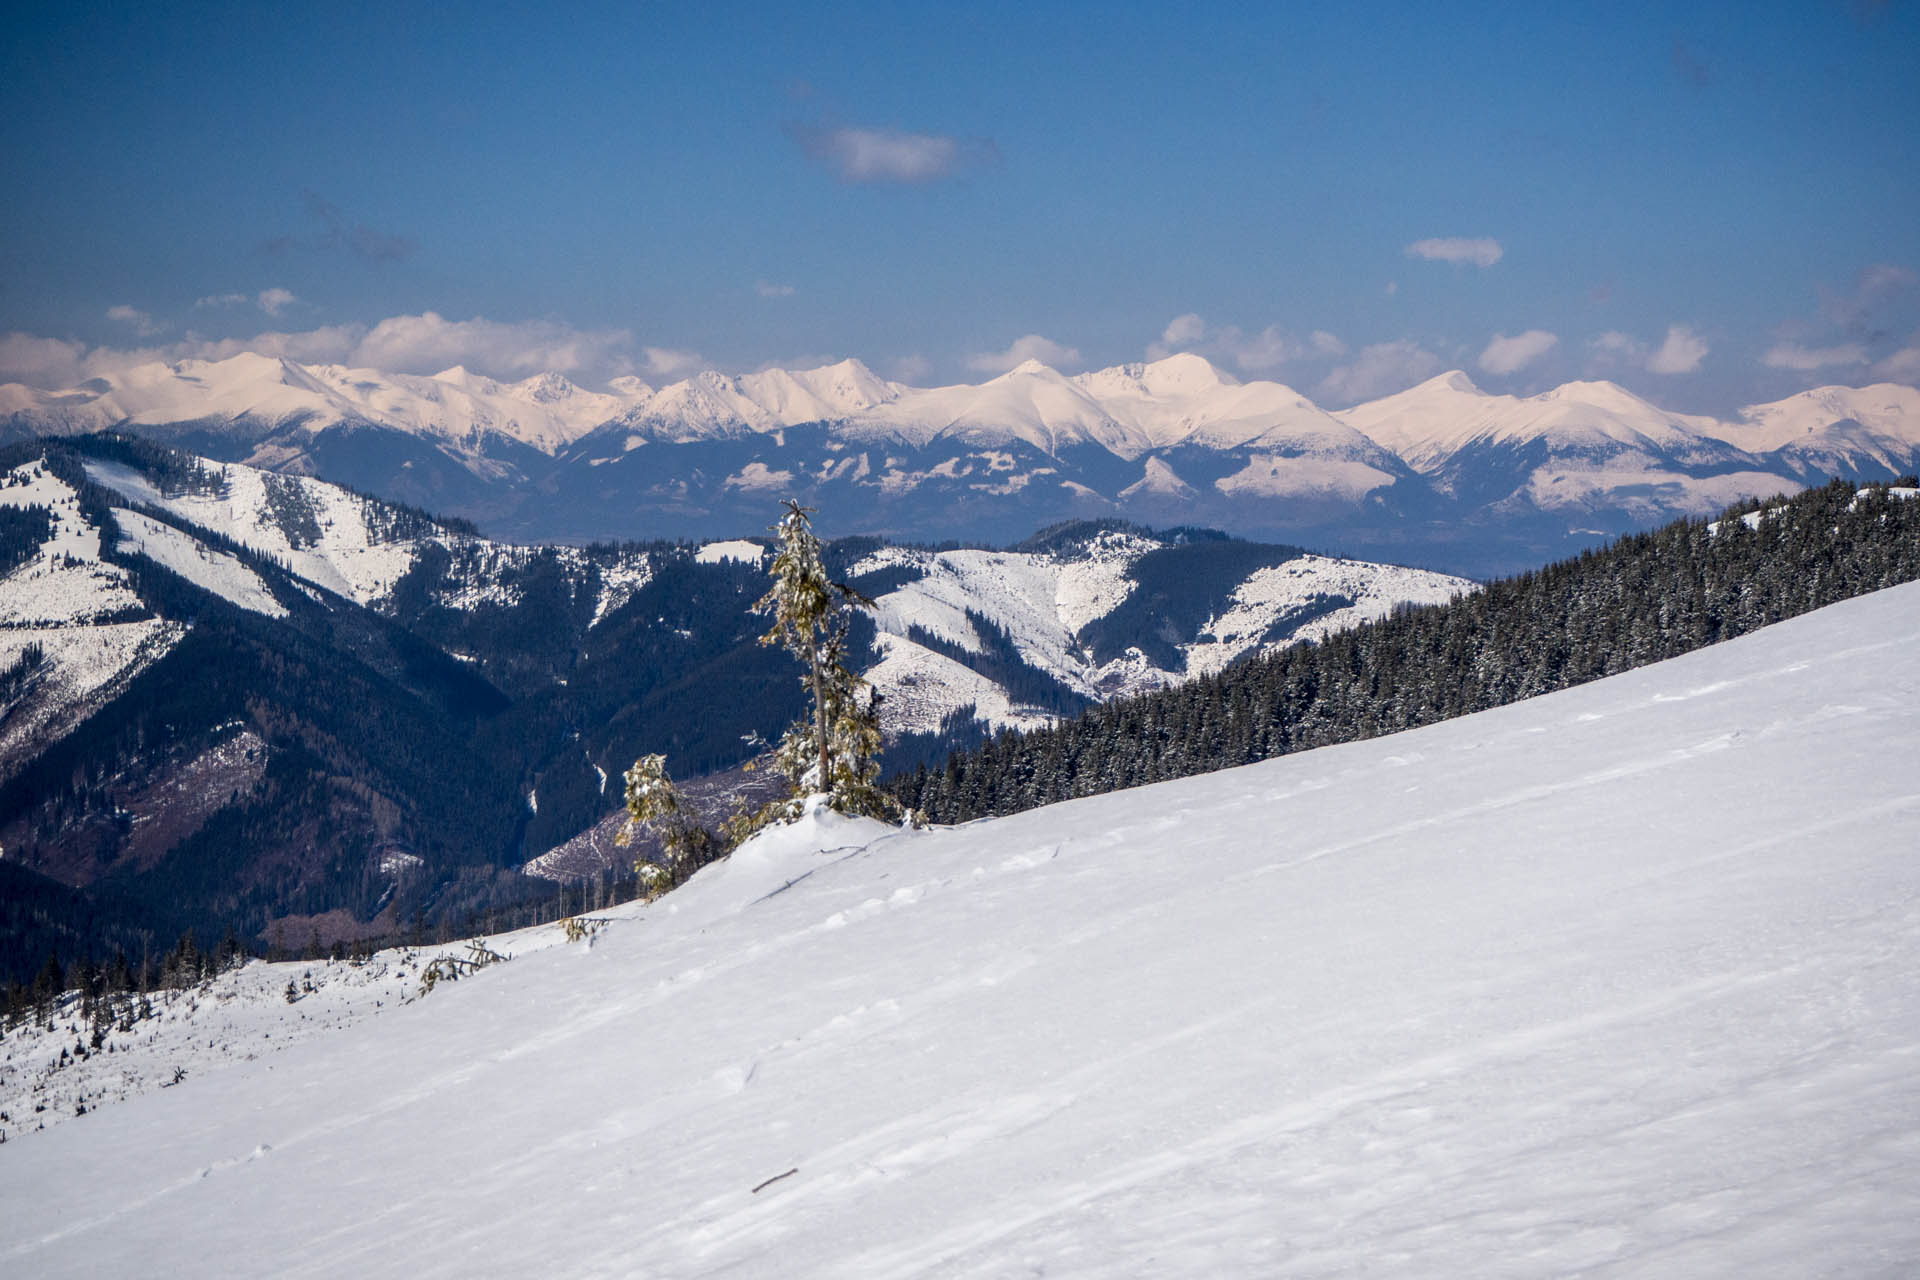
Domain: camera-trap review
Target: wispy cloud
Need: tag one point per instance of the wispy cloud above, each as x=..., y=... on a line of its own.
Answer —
x=1379, y=370
x=1791, y=355
x=665, y=362
x=1902, y=366
x=221, y=300
x=339, y=231
x=1030, y=347
x=134, y=318
x=910, y=369
x=1680, y=352
x=1862, y=311
x=424, y=343
x=1479, y=251
x=1258, y=352
x=767, y=289
x=1690, y=67
x=1506, y=355
x=274, y=301
x=891, y=155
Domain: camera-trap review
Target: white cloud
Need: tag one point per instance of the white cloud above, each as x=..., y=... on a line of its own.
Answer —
x=42, y=362
x=890, y=155
x=1379, y=370
x=426, y=343
x=221, y=300
x=1616, y=347
x=1902, y=366
x=1030, y=347
x=274, y=301
x=1887, y=277
x=1254, y=353
x=910, y=369
x=1268, y=349
x=1506, y=355
x=1481, y=251
x=1183, y=331
x=1791, y=355
x=665, y=362
x=329, y=344
x=767, y=289
x=1682, y=352
x=140, y=321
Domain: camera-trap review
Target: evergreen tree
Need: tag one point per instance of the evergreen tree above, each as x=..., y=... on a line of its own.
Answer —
x=835, y=751
x=654, y=802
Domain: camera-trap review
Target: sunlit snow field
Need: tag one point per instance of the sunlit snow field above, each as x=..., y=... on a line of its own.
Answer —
x=1618, y=981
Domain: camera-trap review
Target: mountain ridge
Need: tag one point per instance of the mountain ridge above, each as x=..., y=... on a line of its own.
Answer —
x=1442, y=472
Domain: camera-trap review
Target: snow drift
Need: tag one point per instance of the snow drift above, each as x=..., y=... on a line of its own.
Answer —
x=1616, y=981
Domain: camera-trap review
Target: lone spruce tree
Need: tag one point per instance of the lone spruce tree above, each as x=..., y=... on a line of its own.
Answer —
x=832, y=752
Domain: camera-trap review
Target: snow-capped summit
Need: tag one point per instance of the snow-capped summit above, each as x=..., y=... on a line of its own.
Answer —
x=1429, y=424
x=1844, y=430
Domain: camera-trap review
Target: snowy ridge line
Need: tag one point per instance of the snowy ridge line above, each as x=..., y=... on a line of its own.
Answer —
x=1130, y=410
x=348, y=557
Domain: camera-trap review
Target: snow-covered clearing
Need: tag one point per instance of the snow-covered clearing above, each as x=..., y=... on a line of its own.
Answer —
x=1375, y=590
x=346, y=558
x=736, y=549
x=1043, y=601
x=67, y=582
x=64, y=600
x=342, y=552
x=1618, y=981
x=209, y=569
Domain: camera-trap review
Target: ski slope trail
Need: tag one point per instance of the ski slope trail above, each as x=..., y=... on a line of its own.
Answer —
x=1617, y=981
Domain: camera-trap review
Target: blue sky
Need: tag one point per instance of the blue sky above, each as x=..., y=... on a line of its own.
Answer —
x=1712, y=204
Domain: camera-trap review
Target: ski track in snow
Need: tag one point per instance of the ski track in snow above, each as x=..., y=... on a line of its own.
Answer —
x=1613, y=982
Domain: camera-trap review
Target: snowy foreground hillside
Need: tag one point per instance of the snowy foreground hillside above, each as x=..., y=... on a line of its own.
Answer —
x=1617, y=981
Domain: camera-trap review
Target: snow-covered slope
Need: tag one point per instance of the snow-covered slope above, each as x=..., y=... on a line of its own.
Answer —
x=1616, y=981
x=338, y=540
x=75, y=608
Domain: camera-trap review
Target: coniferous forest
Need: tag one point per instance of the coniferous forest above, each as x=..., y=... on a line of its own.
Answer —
x=1644, y=598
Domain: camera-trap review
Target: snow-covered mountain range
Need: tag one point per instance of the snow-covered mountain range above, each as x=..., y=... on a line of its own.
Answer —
x=1442, y=472
x=1615, y=981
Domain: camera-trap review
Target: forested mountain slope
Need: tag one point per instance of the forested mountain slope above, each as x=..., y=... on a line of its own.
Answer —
x=1647, y=597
